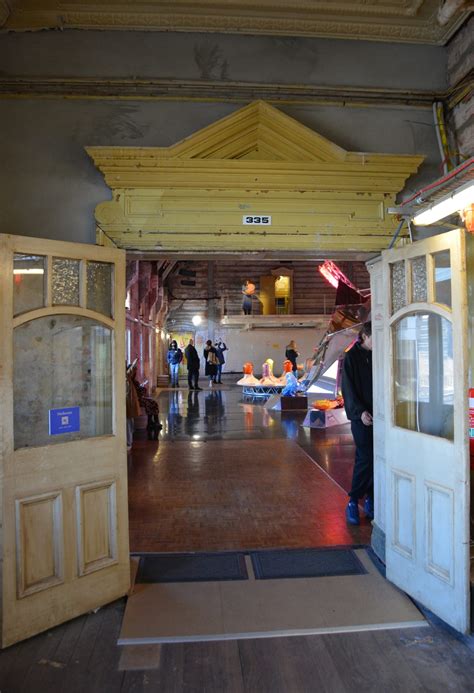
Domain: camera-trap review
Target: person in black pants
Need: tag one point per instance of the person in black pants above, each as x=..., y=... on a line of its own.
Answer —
x=358, y=403
x=192, y=360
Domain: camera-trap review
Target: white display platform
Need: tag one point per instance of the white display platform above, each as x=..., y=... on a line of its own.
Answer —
x=324, y=419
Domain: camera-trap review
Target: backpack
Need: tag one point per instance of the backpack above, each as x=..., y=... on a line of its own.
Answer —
x=212, y=358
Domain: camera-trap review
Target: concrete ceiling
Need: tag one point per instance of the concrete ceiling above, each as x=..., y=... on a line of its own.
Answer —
x=413, y=21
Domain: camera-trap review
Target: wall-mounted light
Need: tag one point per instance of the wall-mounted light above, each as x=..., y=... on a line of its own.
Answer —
x=196, y=320
x=444, y=208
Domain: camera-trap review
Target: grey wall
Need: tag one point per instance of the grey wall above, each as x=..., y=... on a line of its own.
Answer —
x=48, y=185
x=246, y=58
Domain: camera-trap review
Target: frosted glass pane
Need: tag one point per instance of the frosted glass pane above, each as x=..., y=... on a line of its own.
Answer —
x=29, y=282
x=419, y=279
x=424, y=374
x=442, y=278
x=399, y=297
x=61, y=362
x=65, y=281
x=99, y=287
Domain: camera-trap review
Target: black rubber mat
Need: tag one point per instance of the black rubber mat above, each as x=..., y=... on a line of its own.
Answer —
x=299, y=563
x=191, y=567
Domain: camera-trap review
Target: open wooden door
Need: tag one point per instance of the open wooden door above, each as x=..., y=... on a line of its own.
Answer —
x=62, y=432
x=419, y=316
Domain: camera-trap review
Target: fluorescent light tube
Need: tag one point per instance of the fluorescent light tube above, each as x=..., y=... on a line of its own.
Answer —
x=33, y=270
x=444, y=208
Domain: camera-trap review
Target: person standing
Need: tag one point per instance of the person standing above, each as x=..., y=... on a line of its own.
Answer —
x=212, y=362
x=291, y=354
x=358, y=403
x=174, y=358
x=192, y=360
x=220, y=348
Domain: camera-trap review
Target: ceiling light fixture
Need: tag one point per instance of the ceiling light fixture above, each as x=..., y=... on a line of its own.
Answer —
x=444, y=208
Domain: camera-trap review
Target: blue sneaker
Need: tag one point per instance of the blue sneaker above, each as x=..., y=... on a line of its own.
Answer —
x=369, y=508
x=352, y=513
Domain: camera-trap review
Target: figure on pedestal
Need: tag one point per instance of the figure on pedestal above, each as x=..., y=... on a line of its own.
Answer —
x=248, y=290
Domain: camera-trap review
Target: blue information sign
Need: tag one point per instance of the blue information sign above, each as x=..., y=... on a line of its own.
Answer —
x=64, y=421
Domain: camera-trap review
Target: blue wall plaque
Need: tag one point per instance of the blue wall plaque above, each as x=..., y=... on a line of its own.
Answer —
x=65, y=420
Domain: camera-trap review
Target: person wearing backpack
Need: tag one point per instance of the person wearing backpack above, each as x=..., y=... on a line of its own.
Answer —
x=212, y=361
x=174, y=358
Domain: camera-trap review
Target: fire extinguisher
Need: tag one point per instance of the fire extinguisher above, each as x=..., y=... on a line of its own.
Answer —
x=471, y=420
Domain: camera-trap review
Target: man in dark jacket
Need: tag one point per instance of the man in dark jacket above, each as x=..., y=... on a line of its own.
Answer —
x=192, y=360
x=358, y=402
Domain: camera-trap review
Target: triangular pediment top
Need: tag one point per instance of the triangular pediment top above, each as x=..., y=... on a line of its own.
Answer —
x=258, y=131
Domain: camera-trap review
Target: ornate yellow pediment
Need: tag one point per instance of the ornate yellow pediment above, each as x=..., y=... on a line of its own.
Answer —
x=211, y=190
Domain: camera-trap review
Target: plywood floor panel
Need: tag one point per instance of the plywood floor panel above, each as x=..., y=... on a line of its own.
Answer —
x=186, y=612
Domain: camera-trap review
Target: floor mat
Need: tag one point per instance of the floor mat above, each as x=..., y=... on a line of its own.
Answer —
x=229, y=610
x=299, y=563
x=191, y=567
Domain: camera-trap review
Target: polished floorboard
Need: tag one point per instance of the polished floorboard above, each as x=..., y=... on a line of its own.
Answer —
x=228, y=474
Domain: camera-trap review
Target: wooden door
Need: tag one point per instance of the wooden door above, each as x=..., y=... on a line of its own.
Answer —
x=422, y=455
x=62, y=432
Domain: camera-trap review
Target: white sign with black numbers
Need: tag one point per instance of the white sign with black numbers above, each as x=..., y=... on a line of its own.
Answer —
x=257, y=220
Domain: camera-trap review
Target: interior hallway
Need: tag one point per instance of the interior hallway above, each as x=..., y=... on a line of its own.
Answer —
x=82, y=655
x=228, y=474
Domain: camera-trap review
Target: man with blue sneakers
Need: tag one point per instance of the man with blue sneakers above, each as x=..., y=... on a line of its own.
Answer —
x=358, y=403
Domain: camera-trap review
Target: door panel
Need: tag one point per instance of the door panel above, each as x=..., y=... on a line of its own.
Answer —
x=423, y=316
x=62, y=432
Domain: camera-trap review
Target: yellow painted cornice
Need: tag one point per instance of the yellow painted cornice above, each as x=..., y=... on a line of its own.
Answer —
x=258, y=161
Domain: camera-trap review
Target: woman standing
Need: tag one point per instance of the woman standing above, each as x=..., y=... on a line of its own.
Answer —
x=212, y=361
x=174, y=358
x=291, y=354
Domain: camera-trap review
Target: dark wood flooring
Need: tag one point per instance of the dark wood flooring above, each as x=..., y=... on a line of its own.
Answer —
x=245, y=495
x=82, y=657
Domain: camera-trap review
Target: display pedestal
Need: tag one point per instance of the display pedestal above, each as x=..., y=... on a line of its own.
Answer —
x=293, y=403
x=324, y=419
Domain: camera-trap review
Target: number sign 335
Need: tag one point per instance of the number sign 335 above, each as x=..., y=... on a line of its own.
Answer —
x=266, y=220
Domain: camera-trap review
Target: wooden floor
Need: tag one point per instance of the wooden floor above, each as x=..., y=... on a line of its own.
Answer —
x=230, y=475
x=223, y=475
x=82, y=657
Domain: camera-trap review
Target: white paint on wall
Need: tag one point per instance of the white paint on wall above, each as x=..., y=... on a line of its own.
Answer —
x=257, y=345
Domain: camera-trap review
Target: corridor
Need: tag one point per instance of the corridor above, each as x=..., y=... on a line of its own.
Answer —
x=223, y=476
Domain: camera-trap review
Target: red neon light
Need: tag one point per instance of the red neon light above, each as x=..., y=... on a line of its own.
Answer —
x=333, y=274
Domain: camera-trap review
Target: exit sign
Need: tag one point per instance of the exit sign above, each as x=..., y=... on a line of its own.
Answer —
x=257, y=220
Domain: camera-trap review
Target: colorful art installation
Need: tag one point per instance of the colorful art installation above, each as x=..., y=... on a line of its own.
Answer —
x=291, y=387
x=266, y=386
x=249, y=379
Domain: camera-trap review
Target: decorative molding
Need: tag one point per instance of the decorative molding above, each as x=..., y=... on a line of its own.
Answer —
x=411, y=21
x=207, y=90
x=190, y=196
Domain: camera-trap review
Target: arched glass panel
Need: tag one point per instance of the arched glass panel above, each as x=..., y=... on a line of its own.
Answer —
x=424, y=374
x=62, y=380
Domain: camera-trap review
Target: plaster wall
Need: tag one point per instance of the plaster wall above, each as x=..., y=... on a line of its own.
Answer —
x=48, y=185
x=260, y=344
x=223, y=57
